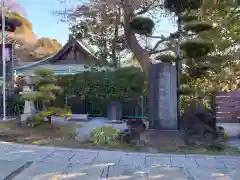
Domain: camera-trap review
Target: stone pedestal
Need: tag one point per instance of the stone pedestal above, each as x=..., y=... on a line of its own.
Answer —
x=29, y=107
x=162, y=97
x=29, y=110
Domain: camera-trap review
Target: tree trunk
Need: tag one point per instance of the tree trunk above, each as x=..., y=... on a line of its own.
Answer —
x=141, y=54
x=115, y=60
x=114, y=44
x=49, y=118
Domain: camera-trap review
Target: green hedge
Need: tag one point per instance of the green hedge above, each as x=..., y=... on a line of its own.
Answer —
x=15, y=105
x=125, y=85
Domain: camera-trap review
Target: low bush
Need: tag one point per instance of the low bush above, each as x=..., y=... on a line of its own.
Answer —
x=45, y=116
x=35, y=121
x=103, y=135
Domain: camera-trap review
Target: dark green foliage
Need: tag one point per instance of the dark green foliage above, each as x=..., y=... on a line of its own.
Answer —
x=142, y=25
x=174, y=35
x=168, y=58
x=15, y=105
x=186, y=90
x=188, y=18
x=46, y=93
x=185, y=79
x=46, y=88
x=13, y=20
x=197, y=71
x=124, y=85
x=196, y=48
x=178, y=6
x=197, y=27
x=35, y=121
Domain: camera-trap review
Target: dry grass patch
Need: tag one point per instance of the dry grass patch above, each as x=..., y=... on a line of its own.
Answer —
x=43, y=134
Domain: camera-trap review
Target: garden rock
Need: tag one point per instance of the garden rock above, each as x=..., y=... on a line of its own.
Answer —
x=199, y=123
x=162, y=138
x=215, y=145
x=132, y=133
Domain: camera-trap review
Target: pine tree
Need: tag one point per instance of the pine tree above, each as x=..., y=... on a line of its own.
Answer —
x=46, y=92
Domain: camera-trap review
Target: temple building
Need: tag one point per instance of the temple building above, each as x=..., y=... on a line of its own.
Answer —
x=74, y=57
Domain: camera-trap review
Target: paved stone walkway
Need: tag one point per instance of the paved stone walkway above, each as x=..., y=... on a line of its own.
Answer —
x=86, y=126
x=235, y=142
x=19, y=162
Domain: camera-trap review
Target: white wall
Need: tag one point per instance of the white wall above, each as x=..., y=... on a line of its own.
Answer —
x=57, y=69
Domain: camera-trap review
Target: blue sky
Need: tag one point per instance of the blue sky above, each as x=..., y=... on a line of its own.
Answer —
x=45, y=24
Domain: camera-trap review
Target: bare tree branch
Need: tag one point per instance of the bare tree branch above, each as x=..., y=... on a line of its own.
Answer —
x=161, y=41
x=158, y=37
x=159, y=51
x=149, y=8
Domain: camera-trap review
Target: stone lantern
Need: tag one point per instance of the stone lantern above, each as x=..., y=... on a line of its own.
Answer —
x=29, y=107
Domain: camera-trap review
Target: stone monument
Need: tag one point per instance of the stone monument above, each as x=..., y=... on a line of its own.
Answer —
x=114, y=111
x=29, y=107
x=162, y=95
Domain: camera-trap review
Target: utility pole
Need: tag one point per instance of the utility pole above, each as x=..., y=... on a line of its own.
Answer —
x=3, y=61
x=178, y=69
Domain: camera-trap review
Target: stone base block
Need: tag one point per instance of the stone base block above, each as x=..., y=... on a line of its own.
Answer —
x=79, y=116
x=24, y=117
x=114, y=121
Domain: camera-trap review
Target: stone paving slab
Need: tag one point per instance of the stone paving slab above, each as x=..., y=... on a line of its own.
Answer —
x=43, y=171
x=231, y=164
x=199, y=157
x=27, y=155
x=133, y=160
x=150, y=173
x=79, y=172
x=158, y=160
x=183, y=162
x=110, y=157
x=83, y=157
x=209, y=174
x=234, y=173
x=7, y=167
x=117, y=172
x=210, y=163
x=6, y=148
x=166, y=173
x=59, y=156
x=65, y=163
